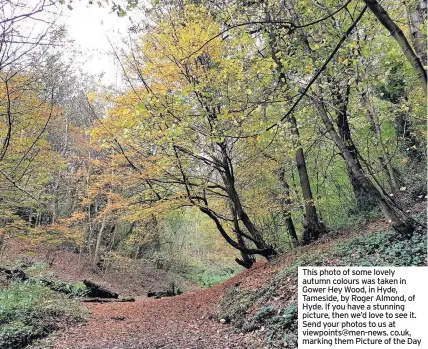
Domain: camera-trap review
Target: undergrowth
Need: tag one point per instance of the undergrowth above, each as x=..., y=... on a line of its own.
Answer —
x=37, y=273
x=72, y=290
x=209, y=278
x=29, y=311
x=272, y=310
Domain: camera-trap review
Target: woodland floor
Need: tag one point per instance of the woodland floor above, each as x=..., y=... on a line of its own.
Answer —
x=182, y=322
x=149, y=323
x=178, y=322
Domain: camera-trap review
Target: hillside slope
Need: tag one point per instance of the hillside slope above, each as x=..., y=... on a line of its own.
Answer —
x=128, y=277
x=255, y=309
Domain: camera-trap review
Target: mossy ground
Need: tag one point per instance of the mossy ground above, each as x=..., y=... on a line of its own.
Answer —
x=271, y=310
x=36, y=307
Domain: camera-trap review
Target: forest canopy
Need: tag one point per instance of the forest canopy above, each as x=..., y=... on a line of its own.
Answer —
x=243, y=129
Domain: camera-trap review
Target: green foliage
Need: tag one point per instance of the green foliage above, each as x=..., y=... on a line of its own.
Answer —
x=283, y=327
x=386, y=248
x=188, y=245
x=38, y=267
x=235, y=304
x=393, y=89
x=30, y=311
x=72, y=290
x=209, y=278
x=262, y=316
x=40, y=276
x=79, y=289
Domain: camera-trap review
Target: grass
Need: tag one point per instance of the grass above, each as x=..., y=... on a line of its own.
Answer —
x=209, y=278
x=204, y=273
x=29, y=311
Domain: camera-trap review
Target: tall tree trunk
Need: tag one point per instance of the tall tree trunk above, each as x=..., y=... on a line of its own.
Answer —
x=286, y=212
x=395, y=216
x=416, y=20
x=313, y=227
x=2, y=239
x=98, y=243
x=341, y=100
x=55, y=212
x=296, y=192
x=38, y=219
x=401, y=39
x=229, y=182
x=373, y=116
x=285, y=203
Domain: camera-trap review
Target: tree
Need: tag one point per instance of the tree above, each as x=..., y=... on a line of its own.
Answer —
x=191, y=105
x=264, y=122
x=401, y=39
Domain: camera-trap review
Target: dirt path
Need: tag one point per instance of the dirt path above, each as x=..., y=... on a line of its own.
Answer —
x=183, y=322
x=179, y=322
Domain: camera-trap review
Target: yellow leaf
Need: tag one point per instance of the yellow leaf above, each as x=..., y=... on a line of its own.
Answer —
x=91, y=96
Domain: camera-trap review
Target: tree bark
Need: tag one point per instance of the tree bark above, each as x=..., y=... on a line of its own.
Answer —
x=55, y=213
x=98, y=243
x=266, y=252
x=229, y=181
x=364, y=203
x=395, y=216
x=374, y=118
x=246, y=260
x=401, y=39
x=313, y=227
x=100, y=237
x=416, y=20
x=2, y=238
x=286, y=212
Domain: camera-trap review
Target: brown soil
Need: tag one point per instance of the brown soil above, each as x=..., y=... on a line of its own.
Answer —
x=128, y=277
x=175, y=322
x=184, y=322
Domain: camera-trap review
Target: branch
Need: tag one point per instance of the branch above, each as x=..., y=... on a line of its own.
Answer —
x=323, y=67
x=233, y=243
x=312, y=81
x=39, y=135
x=198, y=157
x=122, y=151
x=285, y=24
x=9, y=123
x=16, y=185
x=28, y=14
